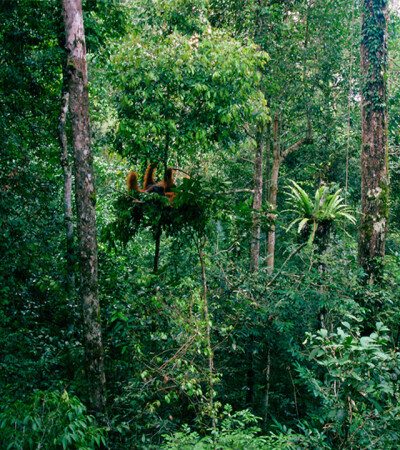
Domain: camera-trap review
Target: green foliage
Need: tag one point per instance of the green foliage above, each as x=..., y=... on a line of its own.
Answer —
x=165, y=372
x=186, y=86
x=192, y=94
x=238, y=430
x=184, y=16
x=191, y=210
x=356, y=385
x=104, y=22
x=318, y=214
x=49, y=420
x=374, y=46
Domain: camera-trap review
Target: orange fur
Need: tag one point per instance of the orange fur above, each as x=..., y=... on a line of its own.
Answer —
x=164, y=187
x=132, y=182
x=171, y=196
x=169, y=184
x=149, y=176
x=149, y=185
x=168, y=181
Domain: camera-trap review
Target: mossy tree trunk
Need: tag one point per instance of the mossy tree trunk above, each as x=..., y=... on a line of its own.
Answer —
x=374, y=150
x=85, y=198
x=67, y=200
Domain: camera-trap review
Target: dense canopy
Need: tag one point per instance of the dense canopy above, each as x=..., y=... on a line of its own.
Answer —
x=200, y=224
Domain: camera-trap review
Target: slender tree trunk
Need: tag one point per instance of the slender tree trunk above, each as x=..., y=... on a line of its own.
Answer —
x=268, y=163
x=267, y=387
x=273, y=191
x=85, y=198
x=374, y=148
x=267, y=175
x=207, y=319
x=67, y=172
x=257, y=200
x=277, y=157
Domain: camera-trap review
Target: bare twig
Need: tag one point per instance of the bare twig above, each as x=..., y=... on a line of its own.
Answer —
x=135, y=200
x=247, y=160
x=287, y=260
x=235, y=191
x=224, y=250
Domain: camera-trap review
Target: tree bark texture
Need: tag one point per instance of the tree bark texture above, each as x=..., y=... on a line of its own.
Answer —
x=257, y=199
x=67, y=201
x=268, y=159
x=374, y=147
x=277, y=157
x=85, y=201
x=273, y=191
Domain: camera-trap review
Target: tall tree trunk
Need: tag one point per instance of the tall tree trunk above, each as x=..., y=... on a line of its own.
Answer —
x=267, y=371
x=85, y=198
x=273, y=190
x=267, y=152
x=257, y=199
x=67, y=172
x=207, y=319
x=277, y=157
x=374, y=149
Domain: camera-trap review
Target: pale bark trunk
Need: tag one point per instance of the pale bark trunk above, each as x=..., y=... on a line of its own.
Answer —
x=257, y=199
x=273, y=191
x=67, y=200
x=85, y=198
x=374, y=148
x=277, y=157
